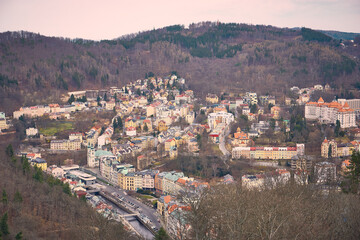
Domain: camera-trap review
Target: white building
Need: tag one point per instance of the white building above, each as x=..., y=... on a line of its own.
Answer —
x=31, y=132
x=330, y=113
x=219, y=117
x=325, y=172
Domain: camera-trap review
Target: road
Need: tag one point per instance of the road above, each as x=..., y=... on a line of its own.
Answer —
x=144, y=209
x=223, y=142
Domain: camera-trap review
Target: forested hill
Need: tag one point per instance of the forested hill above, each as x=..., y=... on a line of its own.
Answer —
x=211, y=56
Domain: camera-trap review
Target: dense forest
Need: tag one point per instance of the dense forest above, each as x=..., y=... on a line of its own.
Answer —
x=212, y=57
x=37, y=206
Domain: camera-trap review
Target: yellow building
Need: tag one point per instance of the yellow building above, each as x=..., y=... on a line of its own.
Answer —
x=276, y=112
x=212, y=98
x=130, y=181
x=170, y=144
x=130, y=122
x=39, y=163
x=162, y=126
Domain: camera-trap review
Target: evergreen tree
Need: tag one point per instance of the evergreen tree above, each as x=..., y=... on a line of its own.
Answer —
x=353, y=173
x=105, y=97
x=19, y=236
x=146, y=128
x=138, y=92
x=150, y=98
x=115, y=124
x=66, y=189
x=71, y=99
x=17, y=197
x=4, y=225
x=330, y=151
x=337, y=128
x=161, y=235
x=9, y=150
x=38, y=175
x=4, y=197
x=119, y=123
x=25, y=166
x=126, y=90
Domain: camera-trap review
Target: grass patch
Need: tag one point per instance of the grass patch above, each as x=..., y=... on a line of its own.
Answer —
x=55, y=127
x=146, y=197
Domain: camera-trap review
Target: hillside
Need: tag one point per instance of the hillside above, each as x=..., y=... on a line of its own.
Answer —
x=213, y=57
x=341, y=35
x=40, y=207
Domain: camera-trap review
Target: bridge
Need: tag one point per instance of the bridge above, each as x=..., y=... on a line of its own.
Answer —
x=93, y=191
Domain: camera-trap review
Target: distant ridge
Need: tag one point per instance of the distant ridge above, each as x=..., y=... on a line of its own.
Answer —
x=212, y=57
x=340, y=35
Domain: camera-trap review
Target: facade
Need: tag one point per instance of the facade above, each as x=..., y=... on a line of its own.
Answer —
x=301, y=162
x=131, y=131
x=3, y=124
x=253, y=181
x=328, y=149
x=325, y=172
x=55, y=171
x=31, y=132
x=65, y=145
x=219, y=117
x=212, y=98
x=162, y=126
x=330, y=113
x=169, y=182
x=130, y=181
x=76, y=135
x=274, y=153
x=39, y=163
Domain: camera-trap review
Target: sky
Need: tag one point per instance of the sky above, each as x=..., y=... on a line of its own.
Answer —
x=109, y=19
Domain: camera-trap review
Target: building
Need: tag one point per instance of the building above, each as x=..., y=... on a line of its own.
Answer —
x=353, y=104
x=325, y=172
x=76, y=135
x=106, y=165
x=3, y=124
x=275, y=111
x=273, y=153
x=130, y=181
x=169, y=182
x=31, y=132
x=330, y=113
x=162, y=126
x=130, y=131
x=81, y=177
x=217, y=133
x=143, y=161
x=56, y=171
x=301, y=162
x=328, y=149
x=212, y=98
x=39, y=163
x=93, y=156
x=251, y=98
x=69, y=145
x=219, y=117
x=241, y=139
x=253, y=181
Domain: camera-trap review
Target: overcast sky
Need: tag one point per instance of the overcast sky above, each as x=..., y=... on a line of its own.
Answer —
x=108, y=19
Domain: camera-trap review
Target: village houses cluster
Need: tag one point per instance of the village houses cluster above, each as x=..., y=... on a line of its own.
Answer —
x=155, y=118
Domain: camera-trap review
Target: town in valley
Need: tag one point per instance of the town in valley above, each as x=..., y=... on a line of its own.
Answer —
x=136, y=153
